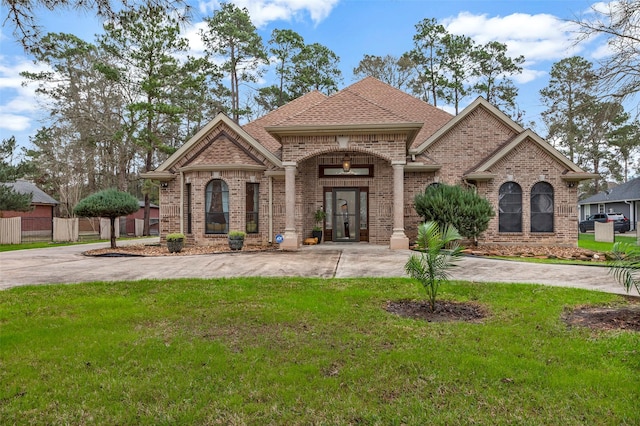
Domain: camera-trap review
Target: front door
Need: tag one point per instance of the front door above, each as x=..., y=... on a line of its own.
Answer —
x=347, y=214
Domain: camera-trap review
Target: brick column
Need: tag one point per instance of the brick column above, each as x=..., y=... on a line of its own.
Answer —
x=399, y=240
x=290, y=235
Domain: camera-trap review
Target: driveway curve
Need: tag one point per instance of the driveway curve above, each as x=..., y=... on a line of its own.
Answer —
x=68, y=265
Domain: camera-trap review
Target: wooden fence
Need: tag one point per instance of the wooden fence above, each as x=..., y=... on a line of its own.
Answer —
x=17, y=230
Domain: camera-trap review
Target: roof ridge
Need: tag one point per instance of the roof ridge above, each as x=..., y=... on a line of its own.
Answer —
x=342, y=93
x=382, y=106
x=291, y=103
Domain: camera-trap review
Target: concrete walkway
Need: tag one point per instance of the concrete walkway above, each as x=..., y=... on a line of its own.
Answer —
x=68, y=265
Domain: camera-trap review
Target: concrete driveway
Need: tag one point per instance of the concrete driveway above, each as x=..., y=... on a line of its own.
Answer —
x=68, y=265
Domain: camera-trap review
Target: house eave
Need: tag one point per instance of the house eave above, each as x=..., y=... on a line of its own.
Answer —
x=222, y=167
x=421, y=167
x=411, y=129
x=160, y=176
x=577, y=177
x=480, y=176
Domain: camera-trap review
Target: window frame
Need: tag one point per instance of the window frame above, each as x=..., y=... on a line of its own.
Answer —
x=503, y=216
x=253, y=215
x=215, y=228
x=332, y=171
x=549, y=214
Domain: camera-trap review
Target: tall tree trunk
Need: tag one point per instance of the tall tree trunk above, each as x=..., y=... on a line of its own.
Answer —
x=112, y=221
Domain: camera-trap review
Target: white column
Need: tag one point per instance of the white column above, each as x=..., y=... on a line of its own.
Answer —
x=290, y=235
x=399, y=240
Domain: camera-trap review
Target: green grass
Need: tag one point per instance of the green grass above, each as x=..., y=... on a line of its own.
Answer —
x=43, y=244
x=307, y=351
x=46, y=244
x=587, y=241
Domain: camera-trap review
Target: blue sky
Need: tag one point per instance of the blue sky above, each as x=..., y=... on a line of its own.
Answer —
x=537, y=29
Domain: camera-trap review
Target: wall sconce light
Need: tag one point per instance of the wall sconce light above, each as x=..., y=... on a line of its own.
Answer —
x=346, y=163
x=571, y=184
x=164, y=185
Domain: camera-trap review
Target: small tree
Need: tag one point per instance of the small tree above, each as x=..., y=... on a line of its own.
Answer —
x=9, y=172
x=452, y=205
x=432, y=265
x=109, y=203
x=625, y=265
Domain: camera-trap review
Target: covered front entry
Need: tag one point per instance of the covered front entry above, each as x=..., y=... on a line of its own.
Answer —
x=347, y=214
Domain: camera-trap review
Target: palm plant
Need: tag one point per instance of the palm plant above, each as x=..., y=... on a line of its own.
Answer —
x=439, y=252
x=625, y=265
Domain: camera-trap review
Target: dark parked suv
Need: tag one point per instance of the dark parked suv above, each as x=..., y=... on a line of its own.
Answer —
x=620, y=222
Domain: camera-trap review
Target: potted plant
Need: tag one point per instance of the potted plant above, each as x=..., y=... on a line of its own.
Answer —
x=318, y=217
x=175, y=242
x=236, y=240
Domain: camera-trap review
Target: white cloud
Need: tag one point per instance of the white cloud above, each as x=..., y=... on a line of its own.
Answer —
x=18, y=104
x=14, y=123
x=528, y=75
x=263, y=12
x=192, y=33
x=537, y=37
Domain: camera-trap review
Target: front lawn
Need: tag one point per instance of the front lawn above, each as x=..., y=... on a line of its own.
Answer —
x=307, y=351
x=587, y=241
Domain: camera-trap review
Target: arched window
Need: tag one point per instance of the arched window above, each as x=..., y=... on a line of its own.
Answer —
x=510, y=208
x=216, y=207
x=542, y=207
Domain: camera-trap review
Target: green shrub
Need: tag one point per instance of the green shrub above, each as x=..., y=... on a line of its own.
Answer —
x=453, y=205
x=432, y=265
x=318, y=217
x=175, y=237
x=110, y=203
x=237, y=235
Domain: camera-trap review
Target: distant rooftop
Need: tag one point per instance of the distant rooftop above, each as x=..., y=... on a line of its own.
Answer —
x=22, y=186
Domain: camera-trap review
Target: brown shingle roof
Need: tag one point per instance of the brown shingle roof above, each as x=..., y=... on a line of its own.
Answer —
x=256, y=128
x=343, y=108
x=369, y=101
x=413, y=109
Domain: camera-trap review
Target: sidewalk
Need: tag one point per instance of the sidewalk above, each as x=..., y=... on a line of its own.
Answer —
x=68, y=265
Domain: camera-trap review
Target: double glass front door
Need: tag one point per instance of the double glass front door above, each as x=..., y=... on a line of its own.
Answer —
x=347, y=214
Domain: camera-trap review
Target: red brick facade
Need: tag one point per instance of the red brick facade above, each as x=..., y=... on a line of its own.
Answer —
x=480, y=148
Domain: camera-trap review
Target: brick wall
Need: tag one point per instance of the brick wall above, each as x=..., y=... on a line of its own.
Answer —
x=527, y=165
x=221, y=147
x=377, y=149
x=460, y=150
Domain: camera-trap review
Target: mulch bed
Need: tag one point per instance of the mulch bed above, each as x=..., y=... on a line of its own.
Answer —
x=161, y=250
x=605, y=317
x=540, y=252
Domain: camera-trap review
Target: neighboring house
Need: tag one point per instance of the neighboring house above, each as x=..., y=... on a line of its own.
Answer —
x=623, y=198
x=362, y=154
x=40, y=217
x=129, y=226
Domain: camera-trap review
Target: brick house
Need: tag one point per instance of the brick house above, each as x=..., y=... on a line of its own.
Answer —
x=362, y=154
x=42, y=205
x=37, y=223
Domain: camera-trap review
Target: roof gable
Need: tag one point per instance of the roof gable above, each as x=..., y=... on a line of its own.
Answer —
x=510, y=145
x=480, y=102
x=222, y=149
x=219, y=120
